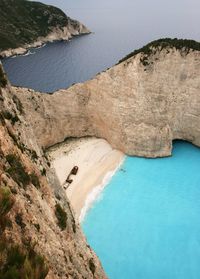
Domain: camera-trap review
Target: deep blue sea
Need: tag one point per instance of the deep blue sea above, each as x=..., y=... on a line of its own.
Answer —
x=118, y=28
x=146, y=224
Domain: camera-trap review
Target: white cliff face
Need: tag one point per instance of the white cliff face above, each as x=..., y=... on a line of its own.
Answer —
x=138, y=109
x=56, y=34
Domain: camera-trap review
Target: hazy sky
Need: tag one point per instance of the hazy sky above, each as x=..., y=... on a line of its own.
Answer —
x=189, y=4
x=118, y=27
x=178, y=17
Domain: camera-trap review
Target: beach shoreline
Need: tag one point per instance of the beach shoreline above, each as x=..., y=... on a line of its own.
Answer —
x=96, y=161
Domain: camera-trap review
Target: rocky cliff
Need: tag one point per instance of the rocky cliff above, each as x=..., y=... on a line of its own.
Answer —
x=139, y=106
x=26, y=24
x=39, y=236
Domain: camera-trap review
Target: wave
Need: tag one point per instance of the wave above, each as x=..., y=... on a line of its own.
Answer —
x=28, y=53
x=25, y=54
x=43, y=45
x=95, y=194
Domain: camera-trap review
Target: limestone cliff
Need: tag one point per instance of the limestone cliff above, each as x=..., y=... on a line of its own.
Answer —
x=26, y=24
x=139, y=106
x=39, y=236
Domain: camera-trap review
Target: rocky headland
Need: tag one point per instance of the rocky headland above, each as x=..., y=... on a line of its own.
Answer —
x=32, y=24
x=39, y=234
x=139, y=106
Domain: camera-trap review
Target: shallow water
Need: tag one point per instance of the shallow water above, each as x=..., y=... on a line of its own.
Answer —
x=119, y=27
x=146, y=224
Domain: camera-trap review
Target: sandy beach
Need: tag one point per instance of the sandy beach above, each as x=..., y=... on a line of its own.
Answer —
x=96, y=162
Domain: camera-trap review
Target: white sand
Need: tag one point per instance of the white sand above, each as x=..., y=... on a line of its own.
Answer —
x=97, y=162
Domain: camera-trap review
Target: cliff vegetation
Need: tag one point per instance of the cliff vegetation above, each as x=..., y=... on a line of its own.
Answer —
x=17, y=261
x=155, y=99
x=152, y=47
x=22, y=22
x=39, y=235
x=3, y=80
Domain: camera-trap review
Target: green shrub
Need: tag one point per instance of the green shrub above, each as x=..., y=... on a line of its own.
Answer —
x=11, y=117
x=40, y=19
x=22, y=264
x=3, y=80
x=34, y=155
x=17, y=142
x=17, y=262
x=11, y=134
x=61, y=216
x=19, y=174
x=14, y=119
x=7, y=115
x=12, y=273
x=164, y=43
x=92, y=266
x=17, y=171
x=37, y=226
x=19, y=220
x=43, y=171
x=15, y=257
x=6, y=203
x=34, y=180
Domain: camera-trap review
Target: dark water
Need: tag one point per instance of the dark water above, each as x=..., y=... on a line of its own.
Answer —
x=119, y=27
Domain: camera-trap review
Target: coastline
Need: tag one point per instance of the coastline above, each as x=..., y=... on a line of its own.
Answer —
x=56, y=35
x=95, y=193
x=97, y=163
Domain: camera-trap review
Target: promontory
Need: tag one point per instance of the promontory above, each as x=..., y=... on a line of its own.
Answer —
x=139, y=106
x=31, y=24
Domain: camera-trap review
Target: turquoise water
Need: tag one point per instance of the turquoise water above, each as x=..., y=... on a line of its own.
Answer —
x=146, y=224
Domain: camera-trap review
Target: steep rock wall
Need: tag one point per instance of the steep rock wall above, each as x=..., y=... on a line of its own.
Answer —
x=25, y=173
x=139, y=108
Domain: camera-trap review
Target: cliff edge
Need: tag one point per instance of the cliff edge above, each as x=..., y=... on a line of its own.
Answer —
x=139, y=106
x=26, y=24
x=39, y=236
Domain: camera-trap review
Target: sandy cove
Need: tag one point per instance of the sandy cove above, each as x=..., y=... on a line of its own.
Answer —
x=97, y=162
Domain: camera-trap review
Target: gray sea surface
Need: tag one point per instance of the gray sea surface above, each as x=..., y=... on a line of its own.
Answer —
x=118, y=28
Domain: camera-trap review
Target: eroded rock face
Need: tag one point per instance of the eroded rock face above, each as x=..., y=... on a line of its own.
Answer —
x=139, y=109
x=32, y=217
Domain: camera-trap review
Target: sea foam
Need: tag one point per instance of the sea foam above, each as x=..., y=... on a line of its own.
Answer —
x=95, y=194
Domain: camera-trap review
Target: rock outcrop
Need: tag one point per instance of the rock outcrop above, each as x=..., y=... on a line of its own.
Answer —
x=139, y=106
x=26, y=24
x=39, y=236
